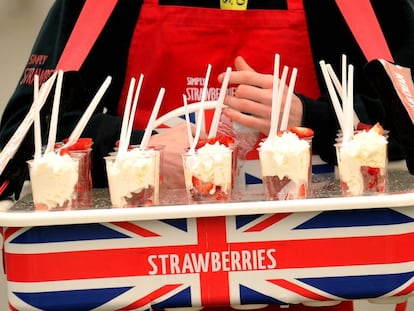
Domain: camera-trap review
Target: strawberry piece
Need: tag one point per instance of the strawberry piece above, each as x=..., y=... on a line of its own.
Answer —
x=373, y=181
x=220, y=195
x=275, y=188
x=377, y=128
x=130, y=147
x=371, y=128
x=223, y=140
x=81, y=144
x=202, y=187
x=201, y=142
x=274, y=185
x=142, y=198
x=363, y=126
x=63, y=151
x=302, y=132
x=302, y=191
x=373, y=171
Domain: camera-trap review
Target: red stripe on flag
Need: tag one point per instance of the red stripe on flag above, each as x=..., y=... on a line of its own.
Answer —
x=153, y=296
x=136, y=229
x=299, y=290
x=401, y=306
x=268, y=222
x=10, y=231
x=212, y=236
x=406, y=291
x=12, y=308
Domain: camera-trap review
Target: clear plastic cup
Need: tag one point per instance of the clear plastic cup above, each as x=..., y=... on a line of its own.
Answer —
x=286, y=165
x=362, y=167
x=82, y=150
x=158, y=147
x=53, y=180
x=133, y=178
x=245, y=139
x=208, y=175
x=84, y=185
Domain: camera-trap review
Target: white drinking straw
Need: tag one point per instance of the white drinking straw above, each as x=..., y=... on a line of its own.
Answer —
x=344, y=65
x=341, y=89
x=187, y=121
x=349, y=106
x=55, y=112
x=282, y=84
x=37, y=129
x=277, y=106
x=200, y=118
x=219, y=108
x=134, y=109
x=15, y=141
x=274, y=112
x=150, y=125
x=77, y=131
x=123, y=144
x=332, y=94
x=199, y=122
x=345, y=108
x=180, y=111
x=338, y=85
x=344, y=78
x=288, y=102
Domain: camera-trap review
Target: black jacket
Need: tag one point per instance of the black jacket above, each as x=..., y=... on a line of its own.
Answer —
x=330, y=37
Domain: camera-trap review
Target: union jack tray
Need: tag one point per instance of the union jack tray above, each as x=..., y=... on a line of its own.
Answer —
x=248, y=251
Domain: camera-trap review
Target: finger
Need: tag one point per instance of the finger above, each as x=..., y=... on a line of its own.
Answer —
x=251, y=78
x=258, y=95
x=248, y=106
x=241, y=64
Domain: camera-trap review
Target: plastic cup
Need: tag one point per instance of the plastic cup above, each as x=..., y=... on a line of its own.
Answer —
x=84, y=185
x=81, y=150
x=133, y=178
x=362, y=167
x=158, y=147
x=286, y=167
x=53, y=181
x=208, y=175
x=235, y=162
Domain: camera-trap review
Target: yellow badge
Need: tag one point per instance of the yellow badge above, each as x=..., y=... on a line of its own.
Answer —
x=238, y=5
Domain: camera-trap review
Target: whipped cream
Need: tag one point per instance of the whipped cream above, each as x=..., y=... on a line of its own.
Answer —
x=53, y=178
x=131, y=173
x=211, y=163
x=285, y=156
x=367, y=148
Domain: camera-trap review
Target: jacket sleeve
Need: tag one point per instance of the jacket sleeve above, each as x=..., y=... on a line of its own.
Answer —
x=78, y=87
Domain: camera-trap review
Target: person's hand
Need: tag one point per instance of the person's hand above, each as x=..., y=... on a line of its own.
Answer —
x=252, y=101
x=175, y=141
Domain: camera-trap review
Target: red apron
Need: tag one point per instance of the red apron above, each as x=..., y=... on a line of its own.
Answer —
x=172, y=46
